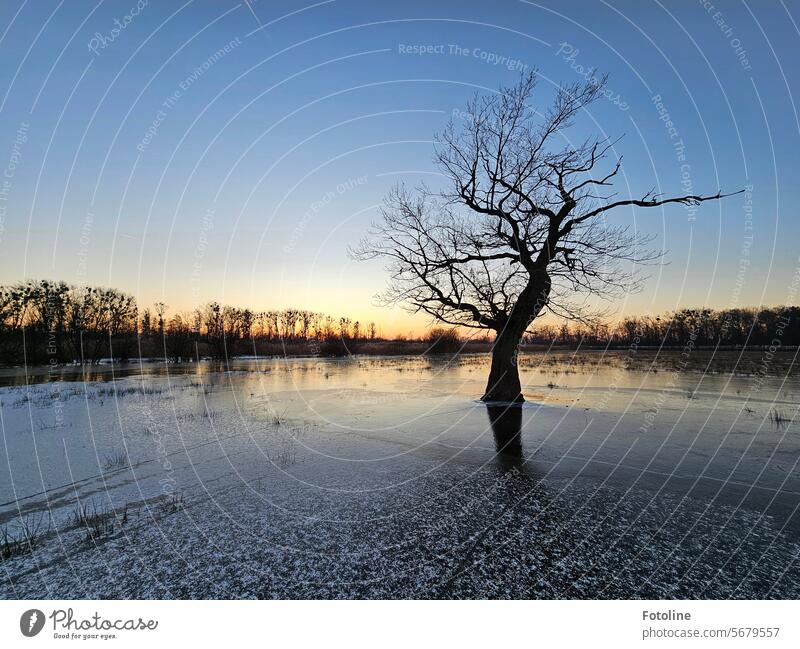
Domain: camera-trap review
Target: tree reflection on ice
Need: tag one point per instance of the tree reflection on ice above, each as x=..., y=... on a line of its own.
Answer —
x=506, y=423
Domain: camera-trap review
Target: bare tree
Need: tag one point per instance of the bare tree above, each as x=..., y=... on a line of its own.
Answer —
x=520, y=231
x=161, y=310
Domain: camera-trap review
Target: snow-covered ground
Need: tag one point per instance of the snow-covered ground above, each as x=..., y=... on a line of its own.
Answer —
x=381, y=477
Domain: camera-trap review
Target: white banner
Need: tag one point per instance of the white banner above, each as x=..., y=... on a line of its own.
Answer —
x=400, y=624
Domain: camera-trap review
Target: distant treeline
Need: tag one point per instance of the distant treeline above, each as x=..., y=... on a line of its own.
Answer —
x=46, y=322
x=54, y=322
x=778, y=326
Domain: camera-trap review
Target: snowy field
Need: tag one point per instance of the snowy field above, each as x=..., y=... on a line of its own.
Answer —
x=621, y=477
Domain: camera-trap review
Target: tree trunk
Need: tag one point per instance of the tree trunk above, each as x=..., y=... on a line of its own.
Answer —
x=504, y=385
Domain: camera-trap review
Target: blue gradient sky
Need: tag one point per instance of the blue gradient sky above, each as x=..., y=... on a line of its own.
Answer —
x=261, y=168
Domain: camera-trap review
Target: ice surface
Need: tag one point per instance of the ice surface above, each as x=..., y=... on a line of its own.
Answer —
x=384, y=477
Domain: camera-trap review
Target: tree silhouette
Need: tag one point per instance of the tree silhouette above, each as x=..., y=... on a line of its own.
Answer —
x=520, y=230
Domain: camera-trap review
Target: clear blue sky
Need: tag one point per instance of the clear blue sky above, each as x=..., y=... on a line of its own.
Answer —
x=230, y=151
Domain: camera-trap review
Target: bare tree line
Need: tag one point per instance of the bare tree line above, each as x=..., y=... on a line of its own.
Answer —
x=225, y=331
x=737, y=327
x=52, y=322
x=48, y=322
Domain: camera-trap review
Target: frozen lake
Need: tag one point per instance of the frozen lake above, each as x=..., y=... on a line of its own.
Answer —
x=624, y=475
